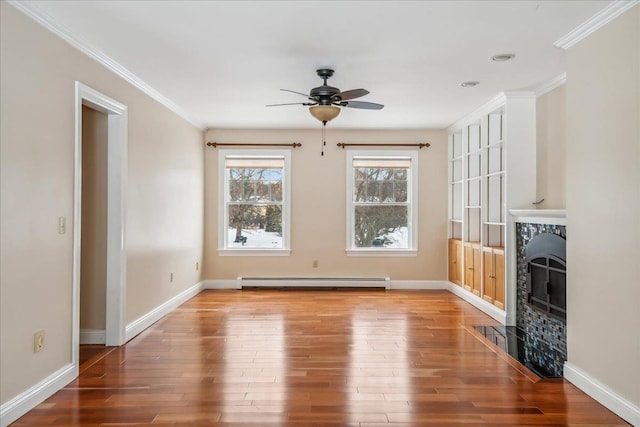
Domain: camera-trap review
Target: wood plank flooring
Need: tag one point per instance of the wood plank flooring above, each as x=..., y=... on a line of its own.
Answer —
x=315, y=358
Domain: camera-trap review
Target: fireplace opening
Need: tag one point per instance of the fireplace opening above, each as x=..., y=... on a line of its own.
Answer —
x=545, y=255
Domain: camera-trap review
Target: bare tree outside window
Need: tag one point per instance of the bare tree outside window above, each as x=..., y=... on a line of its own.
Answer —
x=380, y=203
x=255, y=207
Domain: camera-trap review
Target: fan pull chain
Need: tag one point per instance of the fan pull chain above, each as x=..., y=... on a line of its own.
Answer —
x=324, y=141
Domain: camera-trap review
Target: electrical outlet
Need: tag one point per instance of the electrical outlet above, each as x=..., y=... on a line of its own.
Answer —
x=171, y=278
x=62, y=225
x=315, y=263
x=38, y=341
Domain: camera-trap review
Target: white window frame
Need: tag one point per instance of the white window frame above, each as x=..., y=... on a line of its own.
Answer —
x=412, y=190
x=223, y=217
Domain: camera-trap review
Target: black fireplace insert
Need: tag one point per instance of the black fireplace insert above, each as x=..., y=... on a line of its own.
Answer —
x=547, y=274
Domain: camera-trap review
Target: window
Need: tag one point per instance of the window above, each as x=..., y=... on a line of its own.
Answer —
x=254, y=202
x=382, y=202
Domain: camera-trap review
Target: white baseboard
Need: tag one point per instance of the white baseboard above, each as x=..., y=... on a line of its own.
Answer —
x=603, y=394
x=142, y=323
x=479, y=303
x=93, y=336
x=29, y=399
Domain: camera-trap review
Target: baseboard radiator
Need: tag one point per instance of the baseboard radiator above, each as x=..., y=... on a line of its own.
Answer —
x=314, y=282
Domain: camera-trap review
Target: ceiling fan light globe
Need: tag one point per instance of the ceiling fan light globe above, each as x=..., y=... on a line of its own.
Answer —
x=324, y=113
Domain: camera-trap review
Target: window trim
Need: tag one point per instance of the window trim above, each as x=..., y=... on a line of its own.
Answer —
x=223, y=184
x=412, y=189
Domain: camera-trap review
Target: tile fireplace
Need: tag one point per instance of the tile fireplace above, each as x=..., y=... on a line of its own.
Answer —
x=538, y=340
x=541, y=294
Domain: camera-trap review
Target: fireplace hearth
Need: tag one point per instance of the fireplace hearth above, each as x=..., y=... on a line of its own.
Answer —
x=517, y=344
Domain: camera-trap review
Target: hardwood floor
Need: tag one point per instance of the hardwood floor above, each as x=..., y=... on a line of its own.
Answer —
x=90, y=351
x=90, y=354
x=322, y=358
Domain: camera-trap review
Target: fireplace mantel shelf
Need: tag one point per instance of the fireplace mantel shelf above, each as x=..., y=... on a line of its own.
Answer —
x=540, y=216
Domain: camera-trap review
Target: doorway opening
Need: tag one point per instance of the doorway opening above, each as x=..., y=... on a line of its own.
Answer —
x=99, y=258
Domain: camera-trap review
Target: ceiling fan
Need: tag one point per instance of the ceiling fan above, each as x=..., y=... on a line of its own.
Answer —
x=325, y=101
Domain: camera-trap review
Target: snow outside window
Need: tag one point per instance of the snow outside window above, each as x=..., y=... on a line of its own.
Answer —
x=254, y=194
x=382, y=202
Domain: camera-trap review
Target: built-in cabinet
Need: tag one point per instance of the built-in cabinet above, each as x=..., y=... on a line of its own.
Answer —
x=473, y=269
x=455, y=261
x=493, y=268
x=491, y=169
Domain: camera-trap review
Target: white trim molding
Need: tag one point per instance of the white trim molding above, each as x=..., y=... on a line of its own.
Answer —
x=594, y=23
x=482, y=305
x=486, y=108
x=92, y=336
x=97, y=55
x=143, y=322
x=116, y=262
x=617, y=404
x=29, y=399
x=539, y=216
x=549, y=85
x=493, y=104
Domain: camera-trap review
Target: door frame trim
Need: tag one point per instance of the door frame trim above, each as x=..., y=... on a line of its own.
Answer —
x=117, y=143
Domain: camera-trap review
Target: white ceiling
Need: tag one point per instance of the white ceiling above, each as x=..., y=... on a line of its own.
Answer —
x=220, y=62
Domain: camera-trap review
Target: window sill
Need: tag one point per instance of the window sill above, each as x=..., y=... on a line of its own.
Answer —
x=382, y=252
x=254, y=252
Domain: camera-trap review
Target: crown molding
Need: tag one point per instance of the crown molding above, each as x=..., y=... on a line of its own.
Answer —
x=490, y=106
x=519, y=94
x=594, y=23
x=65, y=34
x=550, y=85
x=493, y=104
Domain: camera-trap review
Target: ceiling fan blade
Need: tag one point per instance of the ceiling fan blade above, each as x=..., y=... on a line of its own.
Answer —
x=291, y=103
x=299, y=93
x=352, y=94
x=362, y=105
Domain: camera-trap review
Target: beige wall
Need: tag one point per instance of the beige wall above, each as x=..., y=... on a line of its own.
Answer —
x=319, y=208
x=93, y=264
x=164, y=200
x=603, y=205
x=551, y=149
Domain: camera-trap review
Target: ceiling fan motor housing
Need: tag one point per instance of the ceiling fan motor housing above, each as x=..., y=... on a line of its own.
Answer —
x=325, y=94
